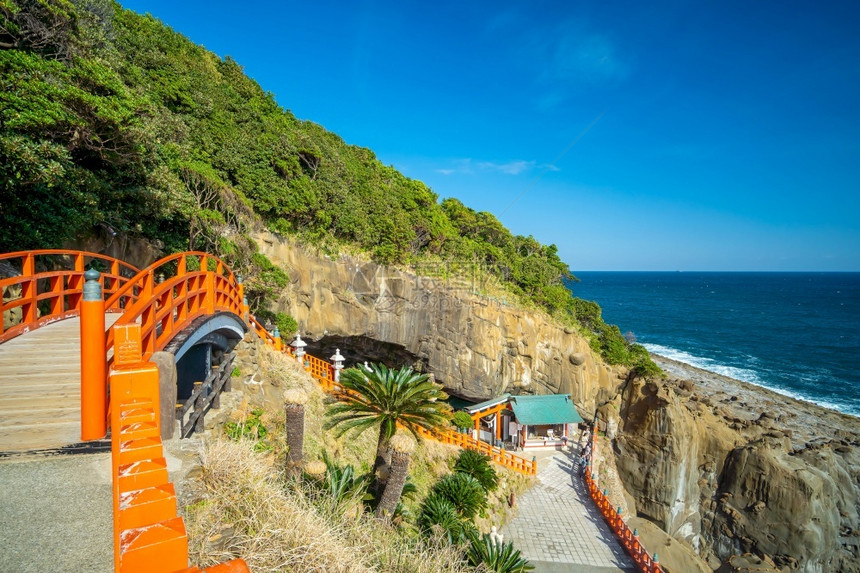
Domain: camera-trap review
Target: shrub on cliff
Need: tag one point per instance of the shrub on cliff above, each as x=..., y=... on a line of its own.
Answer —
x=479, y=467
x=465, y=493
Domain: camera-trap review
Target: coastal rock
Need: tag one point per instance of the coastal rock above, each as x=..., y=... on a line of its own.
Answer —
x=730, y=488
x=477, y=346
x=577, y=358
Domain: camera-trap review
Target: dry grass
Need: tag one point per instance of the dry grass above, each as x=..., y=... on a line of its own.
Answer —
x=243, y=510
x=241, y=506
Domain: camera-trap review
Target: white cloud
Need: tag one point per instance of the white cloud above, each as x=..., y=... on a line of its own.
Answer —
x=469, y=166
x=510, y=167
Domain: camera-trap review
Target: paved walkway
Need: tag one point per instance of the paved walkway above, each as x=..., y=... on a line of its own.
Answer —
x=56, y=514
x=558, y=529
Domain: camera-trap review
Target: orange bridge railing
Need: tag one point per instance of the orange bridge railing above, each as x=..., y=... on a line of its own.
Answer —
x=155, y=303
x=169, y=294
x=159, y=302
x=54, y=292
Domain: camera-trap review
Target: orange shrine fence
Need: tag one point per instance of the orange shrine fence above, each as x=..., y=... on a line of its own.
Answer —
x=629, y=539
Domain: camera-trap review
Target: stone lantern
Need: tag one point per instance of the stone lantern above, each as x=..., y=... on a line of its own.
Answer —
x=299, y=347
x=337, y=363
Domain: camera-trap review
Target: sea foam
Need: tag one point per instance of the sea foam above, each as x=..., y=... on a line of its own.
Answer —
x=745, y=375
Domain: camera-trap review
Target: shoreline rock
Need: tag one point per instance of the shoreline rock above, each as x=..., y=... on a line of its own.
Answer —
x=733, y=469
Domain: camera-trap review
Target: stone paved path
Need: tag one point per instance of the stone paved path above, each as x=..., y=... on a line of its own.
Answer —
x=558, y=528
x=56, y=514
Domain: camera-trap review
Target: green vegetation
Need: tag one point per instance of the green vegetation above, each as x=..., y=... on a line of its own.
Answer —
x=387, y=398
x=252, y=429
x=324, y=521
x=462, y=420
x=501, y=558
x=480, y=467
x=112, y=122
x=287, y=325
x=464, y=492
x=439, y=516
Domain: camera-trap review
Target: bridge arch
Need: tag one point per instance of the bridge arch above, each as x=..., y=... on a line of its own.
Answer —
x=199, y=345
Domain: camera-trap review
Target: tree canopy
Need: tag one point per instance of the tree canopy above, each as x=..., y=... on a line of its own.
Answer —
x=110, y=118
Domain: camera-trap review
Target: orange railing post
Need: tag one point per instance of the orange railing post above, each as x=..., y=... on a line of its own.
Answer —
x=93, y=395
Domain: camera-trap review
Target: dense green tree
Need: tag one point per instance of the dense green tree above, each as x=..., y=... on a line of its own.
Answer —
x=112, y=120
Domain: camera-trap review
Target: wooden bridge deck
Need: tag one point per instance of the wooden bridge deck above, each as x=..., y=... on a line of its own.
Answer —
x=40, y=379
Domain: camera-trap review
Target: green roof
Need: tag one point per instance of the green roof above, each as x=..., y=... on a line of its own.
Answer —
x=548, y=409
x=458, y=403
x=473, y=408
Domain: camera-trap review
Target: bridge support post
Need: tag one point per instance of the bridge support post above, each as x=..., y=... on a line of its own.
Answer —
x=93, y=360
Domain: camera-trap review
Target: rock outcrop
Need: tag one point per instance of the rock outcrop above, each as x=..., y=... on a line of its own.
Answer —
x=772, y=478
x=475, y=346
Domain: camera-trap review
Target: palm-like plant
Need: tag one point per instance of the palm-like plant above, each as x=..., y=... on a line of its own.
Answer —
x=402, y=446
x=498, y=557
x=478, y=466
x=388, y=398
x=465, y=493
x=294, y=406
x=438, y=515
x=338, y=484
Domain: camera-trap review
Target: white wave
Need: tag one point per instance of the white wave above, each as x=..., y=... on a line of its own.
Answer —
x=742, y=374
x=745, y=375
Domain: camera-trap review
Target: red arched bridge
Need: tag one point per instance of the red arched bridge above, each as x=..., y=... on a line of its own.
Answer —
x=77, y=365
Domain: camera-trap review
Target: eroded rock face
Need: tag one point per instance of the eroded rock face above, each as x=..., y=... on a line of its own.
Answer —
x=729, y=480
x=475, y=346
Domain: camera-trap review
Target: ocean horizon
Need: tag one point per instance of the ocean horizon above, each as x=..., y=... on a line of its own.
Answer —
x=797, y=333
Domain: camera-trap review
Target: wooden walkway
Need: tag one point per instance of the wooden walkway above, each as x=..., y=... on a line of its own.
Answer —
x=40, y=379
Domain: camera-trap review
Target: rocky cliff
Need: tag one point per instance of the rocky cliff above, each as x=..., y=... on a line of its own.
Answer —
x=734, y=469
x=475, y=346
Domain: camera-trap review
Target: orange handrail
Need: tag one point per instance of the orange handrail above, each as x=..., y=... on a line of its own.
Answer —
x=164, y=298
x=164, y=307
x=629, y=541
x=64, y=290
x=144, y=504
x=323, y=372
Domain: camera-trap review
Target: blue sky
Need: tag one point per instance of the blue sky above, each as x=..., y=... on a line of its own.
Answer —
x=664, y=135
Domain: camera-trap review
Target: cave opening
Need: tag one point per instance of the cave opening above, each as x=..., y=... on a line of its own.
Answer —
x=357, y=350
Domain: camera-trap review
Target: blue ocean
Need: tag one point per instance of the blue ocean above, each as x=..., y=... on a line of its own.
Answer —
x=795, y=333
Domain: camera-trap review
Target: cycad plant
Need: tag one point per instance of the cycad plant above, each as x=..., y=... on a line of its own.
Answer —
x=388, y=398
x=438, y=515
x=294, y=408
x=498, y=557
x=479, y=467
x=464, y=492
x=340, y=484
